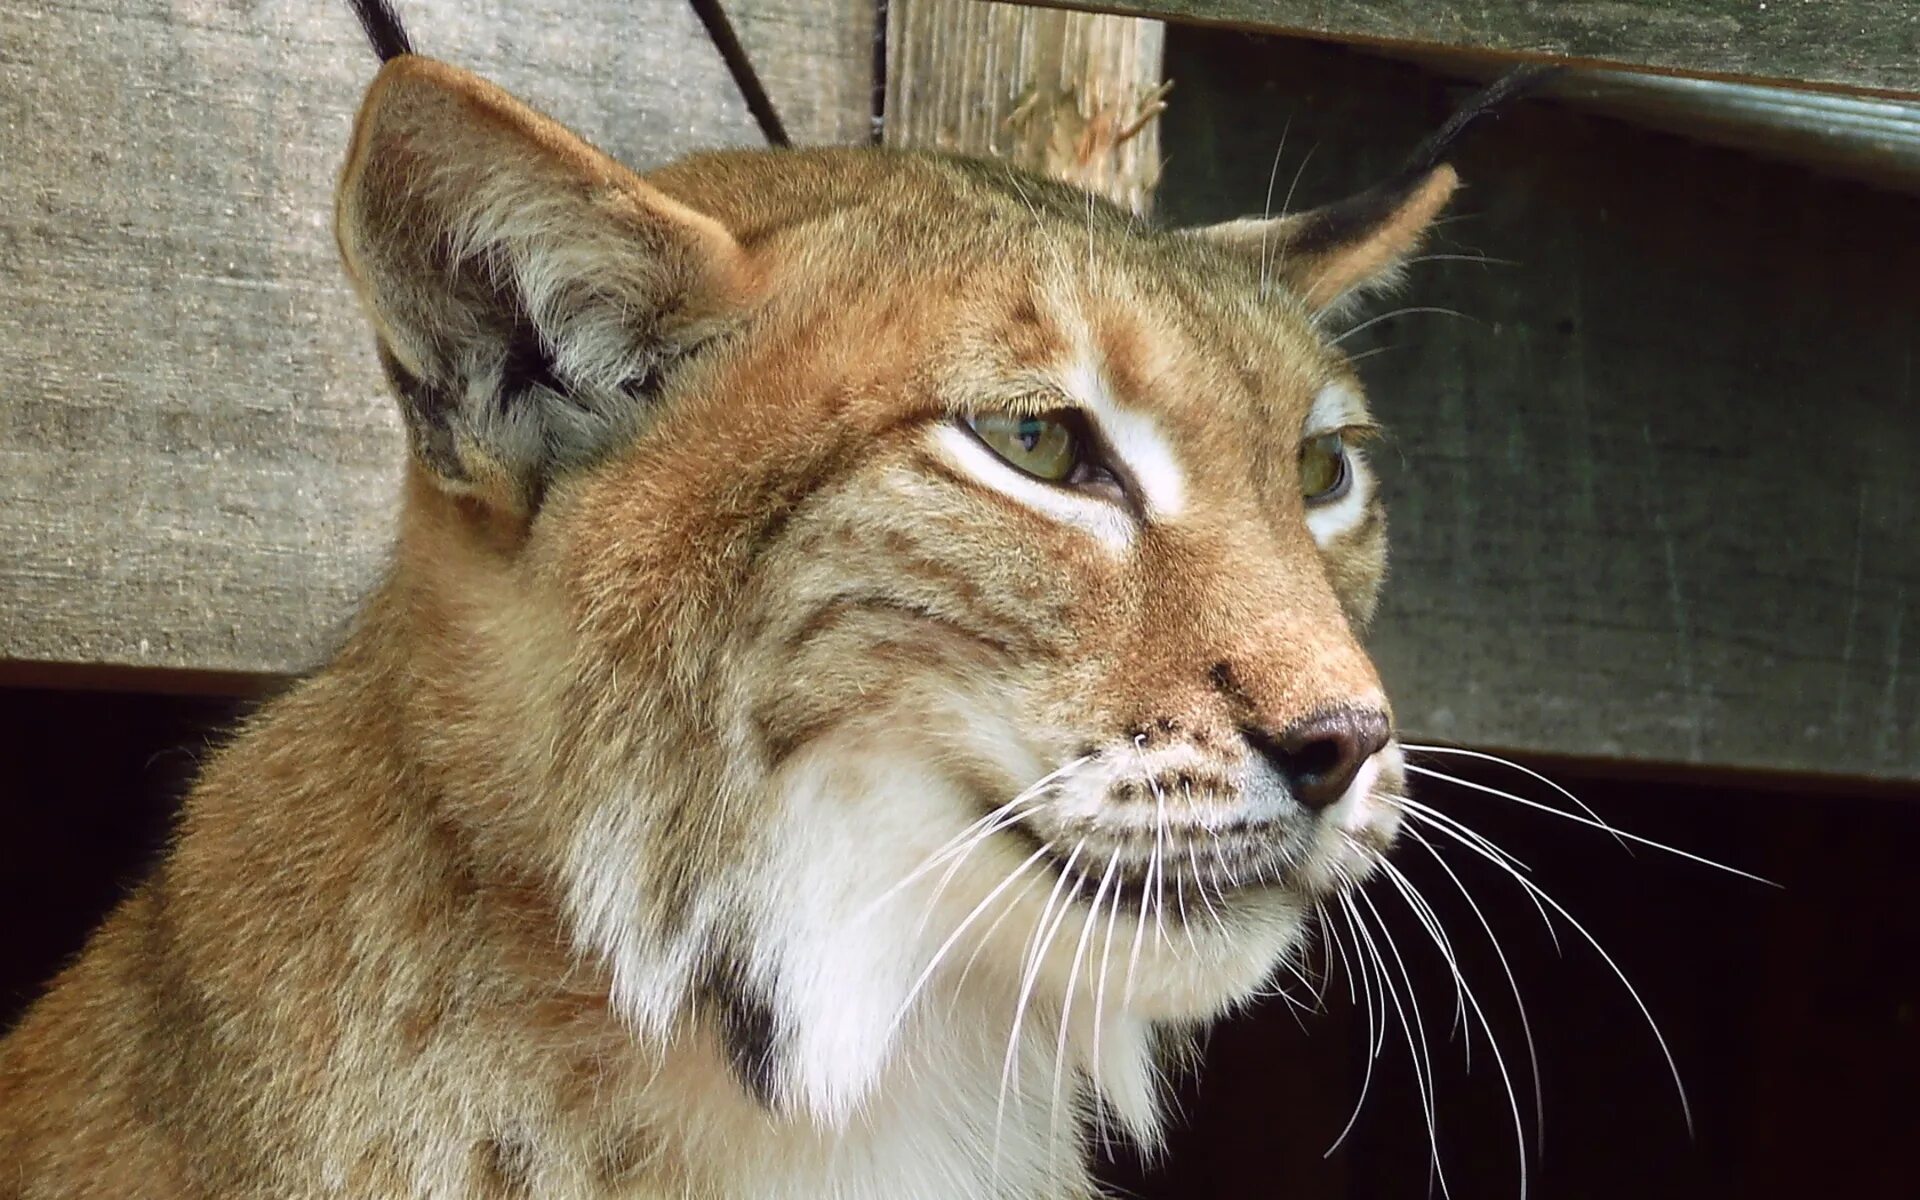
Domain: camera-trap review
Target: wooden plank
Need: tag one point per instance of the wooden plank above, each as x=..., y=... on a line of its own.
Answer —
x=1654, y=497
x=815, y=58
x=1865, y=46
x=1073, y=96
x=198, y=463
x=1870, y=139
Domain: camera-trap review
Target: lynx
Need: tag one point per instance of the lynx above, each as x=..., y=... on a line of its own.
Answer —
x=870, y=663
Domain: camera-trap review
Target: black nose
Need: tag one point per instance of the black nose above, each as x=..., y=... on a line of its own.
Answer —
x=1319, y=756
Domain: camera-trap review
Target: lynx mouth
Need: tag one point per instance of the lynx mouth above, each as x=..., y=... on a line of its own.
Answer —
x=1183, y=872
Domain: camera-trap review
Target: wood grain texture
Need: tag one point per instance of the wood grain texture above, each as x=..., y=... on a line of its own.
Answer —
x=1870, y=46
x=1073, y=96
x=815, y=58
x=1653, y=495
x=198, y=462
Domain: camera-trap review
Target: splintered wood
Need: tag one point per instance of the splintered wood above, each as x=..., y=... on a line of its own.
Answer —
x=1073, y=96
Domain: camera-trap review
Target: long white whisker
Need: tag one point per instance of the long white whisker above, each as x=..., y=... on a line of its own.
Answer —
x=939, y=955
x=1430, y=921
x=1423, y=1062
x=1428, y=815
x=1513, y=985
x=1576, y=801
x=1375, y=1038
x=1580, y=820
x=1418, y=905
x=1399, y=312
x=1273, y=175
x=963, y=842
x=1106, y=960
x=1333, y=939
x=1280, y=257
x=1483, y=259
x=1673, y=1067
x=986, y=937
x=1073, y=983
x=1041, y=941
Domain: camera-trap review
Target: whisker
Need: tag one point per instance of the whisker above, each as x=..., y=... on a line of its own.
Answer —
x=1364, y=355
x=1106, y=959
x=1421, y=1065
x=1280, y=258
x=1513, y=985
x=1580, y=820
x=1376, y=1036
x=1370, y=322
x=1424, y=1061
x=1273, y=174
x=1031, y=973
x=1433, y=817
x=1483, y=259
x=1073, y=983
x=939, y=955
x=1430, y=922
x=986, y=936
x=1576, y=801
x=1417, y=904
x=1332, y=933
x=975, y=831
x=1666, y=1052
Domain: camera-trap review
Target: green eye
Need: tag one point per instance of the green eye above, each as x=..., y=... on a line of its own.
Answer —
x=1324, y=471
x=1045, y=447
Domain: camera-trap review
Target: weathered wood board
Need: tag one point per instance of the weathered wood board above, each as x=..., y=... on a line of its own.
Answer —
x=1072, y=96
x=1868, y=46
x=1654, y=496
x=815, y=58
x=198, y=464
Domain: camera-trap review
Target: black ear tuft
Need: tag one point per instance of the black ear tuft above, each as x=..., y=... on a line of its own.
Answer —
x=384, y=30
x=1346, y=219
x=1514, y=84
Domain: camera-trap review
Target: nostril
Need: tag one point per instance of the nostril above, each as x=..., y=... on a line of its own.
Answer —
x=1320, y=755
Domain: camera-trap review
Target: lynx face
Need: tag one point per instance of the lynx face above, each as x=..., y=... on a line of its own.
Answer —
x=900, y=604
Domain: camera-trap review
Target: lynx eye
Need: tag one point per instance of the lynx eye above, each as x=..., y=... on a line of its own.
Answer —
x=1046, y=447
x=1324, y=471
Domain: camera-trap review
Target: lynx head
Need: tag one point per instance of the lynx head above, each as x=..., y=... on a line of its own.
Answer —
x=899, y=605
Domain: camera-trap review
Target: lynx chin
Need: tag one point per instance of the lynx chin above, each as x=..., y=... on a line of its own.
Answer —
x=869, y=665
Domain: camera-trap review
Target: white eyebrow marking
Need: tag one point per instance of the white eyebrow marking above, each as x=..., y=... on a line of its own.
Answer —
x=1336, y=406
x=1135, y=439
x=1339, y=405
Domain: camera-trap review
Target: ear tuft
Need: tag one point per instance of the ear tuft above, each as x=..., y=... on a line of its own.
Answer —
x=384, y=30
x=1342, y=251
x=531, y=295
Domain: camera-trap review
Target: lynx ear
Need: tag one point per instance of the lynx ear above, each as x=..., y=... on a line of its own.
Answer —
x=1327, y=255
x=530, y=294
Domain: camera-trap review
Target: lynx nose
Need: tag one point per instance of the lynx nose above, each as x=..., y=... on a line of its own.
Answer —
x=1320, y=755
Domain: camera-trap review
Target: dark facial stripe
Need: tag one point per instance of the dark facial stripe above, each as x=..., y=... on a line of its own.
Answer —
x=835, y=611
x=743, y=1018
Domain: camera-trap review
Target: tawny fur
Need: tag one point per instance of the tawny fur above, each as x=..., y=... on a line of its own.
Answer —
x=576, y=872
